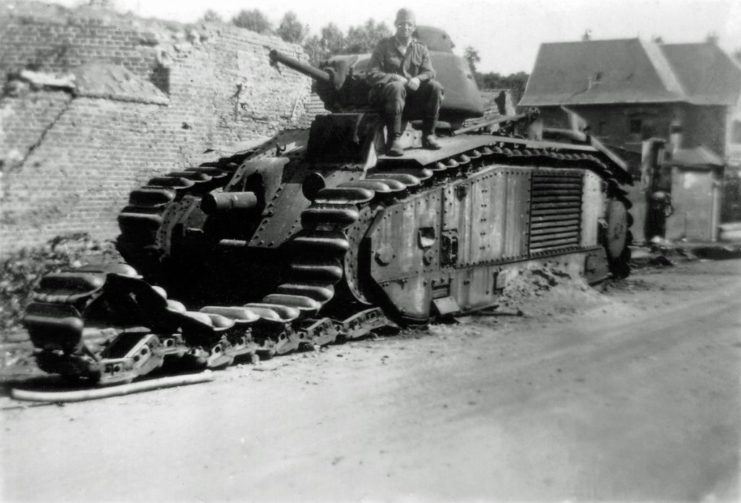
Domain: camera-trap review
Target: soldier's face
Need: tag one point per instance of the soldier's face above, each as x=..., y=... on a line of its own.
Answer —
x=404, y=28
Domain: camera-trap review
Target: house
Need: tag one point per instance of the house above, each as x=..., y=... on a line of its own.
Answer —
x=631, y=90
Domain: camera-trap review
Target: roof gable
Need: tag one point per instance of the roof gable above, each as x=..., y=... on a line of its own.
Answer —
x=695, y=157
x=632, y=71
x=708, y=75
x=600, y=71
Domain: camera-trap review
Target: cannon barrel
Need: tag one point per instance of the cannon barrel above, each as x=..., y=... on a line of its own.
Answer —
x=306, y=69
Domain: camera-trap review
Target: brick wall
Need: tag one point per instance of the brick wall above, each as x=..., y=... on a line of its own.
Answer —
x=68, y=157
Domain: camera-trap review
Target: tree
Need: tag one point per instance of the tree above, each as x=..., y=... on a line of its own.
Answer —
x=313, y=47
x=253, y=20
x=491, y=80
x=365, y=37
x=291, y=29
x=211, y=16
x=103, y=4
x=359, y=39
x=471, y=56
x=331, y=40
x=515, y=82
x=737, y=54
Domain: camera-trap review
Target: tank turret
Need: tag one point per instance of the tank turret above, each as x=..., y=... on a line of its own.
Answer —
x=341, y=80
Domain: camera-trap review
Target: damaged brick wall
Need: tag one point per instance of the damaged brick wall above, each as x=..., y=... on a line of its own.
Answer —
x=148, y=97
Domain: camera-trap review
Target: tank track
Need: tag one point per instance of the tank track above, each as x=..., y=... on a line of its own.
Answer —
x=147, y=221
x=169, y=336
x=143, y=241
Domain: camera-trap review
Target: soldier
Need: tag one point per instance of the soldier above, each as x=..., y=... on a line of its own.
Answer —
x=659, y=209
x=401, y=76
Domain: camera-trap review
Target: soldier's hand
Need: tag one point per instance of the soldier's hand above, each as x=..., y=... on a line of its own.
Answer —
x=400, y=78
x=413, y=84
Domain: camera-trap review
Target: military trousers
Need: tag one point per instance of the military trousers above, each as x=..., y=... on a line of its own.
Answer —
x=395, y=98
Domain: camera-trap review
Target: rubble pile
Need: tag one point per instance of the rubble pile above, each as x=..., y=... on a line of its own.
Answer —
x=533, y=282
x=542, y=290
x=21, y=272
x=662, y=252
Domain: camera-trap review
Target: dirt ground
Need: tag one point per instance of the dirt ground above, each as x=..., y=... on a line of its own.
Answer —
x=629, y=393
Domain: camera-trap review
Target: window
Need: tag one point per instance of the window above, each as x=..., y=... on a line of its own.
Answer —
x=641, y=128
x=635, y=126
x=601, y=128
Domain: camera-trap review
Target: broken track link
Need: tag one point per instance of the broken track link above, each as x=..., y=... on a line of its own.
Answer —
x=214, y=336
x=167, y=335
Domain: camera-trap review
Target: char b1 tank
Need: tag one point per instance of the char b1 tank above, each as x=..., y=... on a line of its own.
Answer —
x=316, y=236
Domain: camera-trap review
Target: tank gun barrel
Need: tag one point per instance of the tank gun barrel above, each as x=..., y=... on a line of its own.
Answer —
x=306, y=69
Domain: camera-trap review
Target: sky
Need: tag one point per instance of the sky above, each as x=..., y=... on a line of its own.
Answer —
x=506, y=33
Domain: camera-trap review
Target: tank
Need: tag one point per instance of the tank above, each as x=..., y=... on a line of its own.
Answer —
x=315, y=237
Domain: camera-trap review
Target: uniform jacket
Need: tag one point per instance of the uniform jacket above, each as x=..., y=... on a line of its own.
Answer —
x=388, y=60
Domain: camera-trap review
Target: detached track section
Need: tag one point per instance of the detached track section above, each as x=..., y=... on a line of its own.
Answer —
x=289, y=318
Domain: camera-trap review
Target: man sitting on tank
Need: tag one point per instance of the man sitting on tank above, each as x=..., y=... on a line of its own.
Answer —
x=401, y=77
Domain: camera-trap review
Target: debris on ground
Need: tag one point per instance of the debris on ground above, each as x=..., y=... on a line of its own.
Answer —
x=660, y=261
x=521, y=289
x=661, y=252
x=17, y=362
x=544, y=291
x=718, y=252
x=21, y=272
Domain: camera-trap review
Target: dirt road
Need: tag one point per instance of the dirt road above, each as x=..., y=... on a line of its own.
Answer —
x=630, y=394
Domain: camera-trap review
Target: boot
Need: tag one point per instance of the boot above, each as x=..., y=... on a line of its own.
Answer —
x=395, y=148
x=429, y=140
x=393, y=133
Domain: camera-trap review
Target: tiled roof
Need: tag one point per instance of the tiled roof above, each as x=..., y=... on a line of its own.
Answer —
x=708, y=75
x=631, y=71
x=695, y=157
